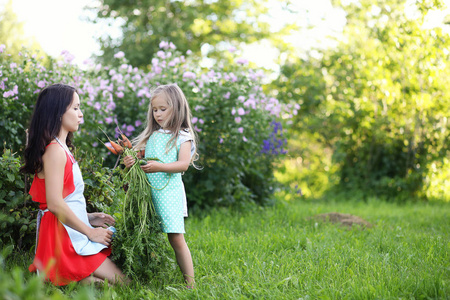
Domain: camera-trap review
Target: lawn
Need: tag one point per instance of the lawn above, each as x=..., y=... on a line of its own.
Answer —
x=283, y=252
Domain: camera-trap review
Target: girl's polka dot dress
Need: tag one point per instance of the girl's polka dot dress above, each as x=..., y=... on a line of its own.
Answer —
x=169, y=201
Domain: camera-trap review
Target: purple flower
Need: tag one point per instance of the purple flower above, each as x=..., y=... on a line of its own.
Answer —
x=137, y=123
x=197, y=129
x=172, y=46
x=120, y=94
x=233, y=111
x=164, y=45
x=242, y=61
x=119, y=54
x=241, y=111
x=188, y=74
x=194, y=120
x=241, y=129
x=41, y=84
x=232, y=49
x=130, y=128
x=97, y=105
x=201, y=121
x=16, y=90
x=227, y=95
x=2, y=48
x=13, y=65
x=244, y=139
x=8, y=94
x=161, y=54
x=238, y=120
x=220, y=140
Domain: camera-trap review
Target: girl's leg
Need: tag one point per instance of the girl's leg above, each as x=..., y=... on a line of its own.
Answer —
x=183, y=256
x=108, y=270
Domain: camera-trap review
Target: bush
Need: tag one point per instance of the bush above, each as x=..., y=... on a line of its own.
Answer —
x=17, y=212
x=238, y=124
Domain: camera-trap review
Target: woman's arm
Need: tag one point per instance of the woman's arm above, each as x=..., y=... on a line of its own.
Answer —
x=54, y=161
x=181, y=165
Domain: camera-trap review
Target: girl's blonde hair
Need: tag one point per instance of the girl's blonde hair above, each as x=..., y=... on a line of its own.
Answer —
x=180, y=119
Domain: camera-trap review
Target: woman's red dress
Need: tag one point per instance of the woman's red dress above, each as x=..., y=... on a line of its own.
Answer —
x=55, y=255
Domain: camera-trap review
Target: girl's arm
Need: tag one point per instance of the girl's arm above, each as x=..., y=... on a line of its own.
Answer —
x=54, y=161
x=181, y=165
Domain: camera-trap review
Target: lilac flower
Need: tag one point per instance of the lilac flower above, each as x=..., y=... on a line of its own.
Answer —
x=8, y=94
x=227, y=95
x=97, y=105
x=242, y=61
x=2, y=48
x=13, y=65
x=241, y=129
x=130, y=128
x=241, y=111
x=189, y=52
x=241, y=98
x=172, y=46
x=119, y=54
x=201, y=121
x=137, y=123
x=233, y=111
x=41, y=84
x=232, y=49
x=109, y=120
x=238, y=120
x=120, y=94
x=189, y=75
x=197, y=129
x=244, y=139
x=164, y=45
x=161, y=54
x=194, y=120
x=16, y=90
x=158, y=70
x=220, y=140
x=199, y=107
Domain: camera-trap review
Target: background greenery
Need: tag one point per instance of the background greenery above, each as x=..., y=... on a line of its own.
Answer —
x=365, y=119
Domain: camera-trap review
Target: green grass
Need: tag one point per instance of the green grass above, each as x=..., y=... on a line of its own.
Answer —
x=282, y=253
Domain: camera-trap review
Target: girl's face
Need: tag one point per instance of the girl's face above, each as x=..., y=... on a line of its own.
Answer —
x=73, y=116
x=161, y=110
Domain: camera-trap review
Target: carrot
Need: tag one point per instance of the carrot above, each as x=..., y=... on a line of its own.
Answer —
x=116, y=147
x=126, y=141
x=111, y=149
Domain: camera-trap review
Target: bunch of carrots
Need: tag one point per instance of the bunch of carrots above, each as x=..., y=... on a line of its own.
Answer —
x=138, y=239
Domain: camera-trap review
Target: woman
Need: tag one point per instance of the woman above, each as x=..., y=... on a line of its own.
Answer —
x=68, y=247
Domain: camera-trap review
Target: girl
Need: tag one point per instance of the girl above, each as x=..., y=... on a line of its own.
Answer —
x=68, y=247
x=169, y=137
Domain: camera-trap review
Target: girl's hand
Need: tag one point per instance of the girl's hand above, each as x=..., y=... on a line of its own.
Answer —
x=128, y=161
x=152, y=166
x=100, y=220
x=101, y=235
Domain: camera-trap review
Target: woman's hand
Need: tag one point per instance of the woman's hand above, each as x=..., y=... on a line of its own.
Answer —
x=101, y=235
x=153, y=166
x=101, y=220
x=128, y=161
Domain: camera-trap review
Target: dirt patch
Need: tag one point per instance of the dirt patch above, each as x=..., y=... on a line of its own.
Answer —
x=346, y=220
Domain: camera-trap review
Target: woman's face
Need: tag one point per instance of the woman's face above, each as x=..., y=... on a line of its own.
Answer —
x=161, y=110
x=73, y=116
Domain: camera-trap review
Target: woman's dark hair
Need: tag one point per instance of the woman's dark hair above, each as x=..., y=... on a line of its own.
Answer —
x=45, y=124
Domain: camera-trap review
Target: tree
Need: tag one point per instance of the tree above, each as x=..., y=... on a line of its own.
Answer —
x=188, y=24
x=12, y=34
x=383, y=109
